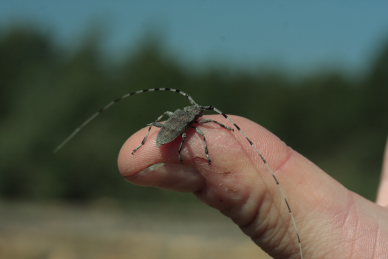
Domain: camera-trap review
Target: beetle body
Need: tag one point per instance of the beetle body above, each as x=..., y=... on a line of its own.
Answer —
x=177, y=124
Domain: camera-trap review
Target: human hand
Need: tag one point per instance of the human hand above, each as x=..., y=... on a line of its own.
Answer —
x=332, y=221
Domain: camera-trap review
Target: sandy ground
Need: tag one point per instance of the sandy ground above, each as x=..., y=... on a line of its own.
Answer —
x=36, y=231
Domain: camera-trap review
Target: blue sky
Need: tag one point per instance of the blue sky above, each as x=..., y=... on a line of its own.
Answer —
x=297, y=35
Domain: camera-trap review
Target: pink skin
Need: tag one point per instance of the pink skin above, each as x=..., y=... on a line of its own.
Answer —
x=333, y=222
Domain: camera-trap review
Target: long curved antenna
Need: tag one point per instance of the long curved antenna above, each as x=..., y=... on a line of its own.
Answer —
x=270, y=170
x=107, y=106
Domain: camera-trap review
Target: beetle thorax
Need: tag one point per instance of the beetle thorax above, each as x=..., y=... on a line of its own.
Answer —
x=194, y=110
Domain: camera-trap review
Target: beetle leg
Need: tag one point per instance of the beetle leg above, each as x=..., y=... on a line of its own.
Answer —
x=219, y=123
x=200, y=132
x=155, y=124
x=184, y=135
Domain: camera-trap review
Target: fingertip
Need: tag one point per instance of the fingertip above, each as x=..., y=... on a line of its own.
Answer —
x=157, y=166
x=130, y=163
x=177, y=177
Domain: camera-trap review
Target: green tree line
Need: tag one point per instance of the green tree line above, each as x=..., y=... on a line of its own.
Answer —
x=338, y=121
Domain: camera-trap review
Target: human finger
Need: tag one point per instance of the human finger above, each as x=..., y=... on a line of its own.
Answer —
x=239, y=185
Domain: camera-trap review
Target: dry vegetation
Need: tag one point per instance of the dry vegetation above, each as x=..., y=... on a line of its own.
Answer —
x=32, y=231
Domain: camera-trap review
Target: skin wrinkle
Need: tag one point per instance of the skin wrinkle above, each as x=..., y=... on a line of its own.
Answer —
x=259, y=198
x=248, y=199
x=353, y=233
x=255, y=214
x=290, y=154
x=288, y=233
x=259, y=238
x=382, y=247
x=242, y=197
x=328, y=254
x=348, y=209
x=377, y=233
x=356, y=237
x=373, y=241
x=212, y=198
x=278, y=245
x=344, y=224
x=231, y=212
x=256, y=232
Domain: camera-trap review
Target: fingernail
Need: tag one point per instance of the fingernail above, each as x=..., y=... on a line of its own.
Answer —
x=153, y=167
x=177, y=177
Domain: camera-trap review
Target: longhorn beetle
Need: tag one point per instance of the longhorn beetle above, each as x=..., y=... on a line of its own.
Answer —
x=177, y=124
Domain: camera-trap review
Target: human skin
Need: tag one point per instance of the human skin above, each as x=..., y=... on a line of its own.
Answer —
x=332, y=221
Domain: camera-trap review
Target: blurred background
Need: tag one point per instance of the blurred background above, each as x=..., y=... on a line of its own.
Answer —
x=315, y=74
